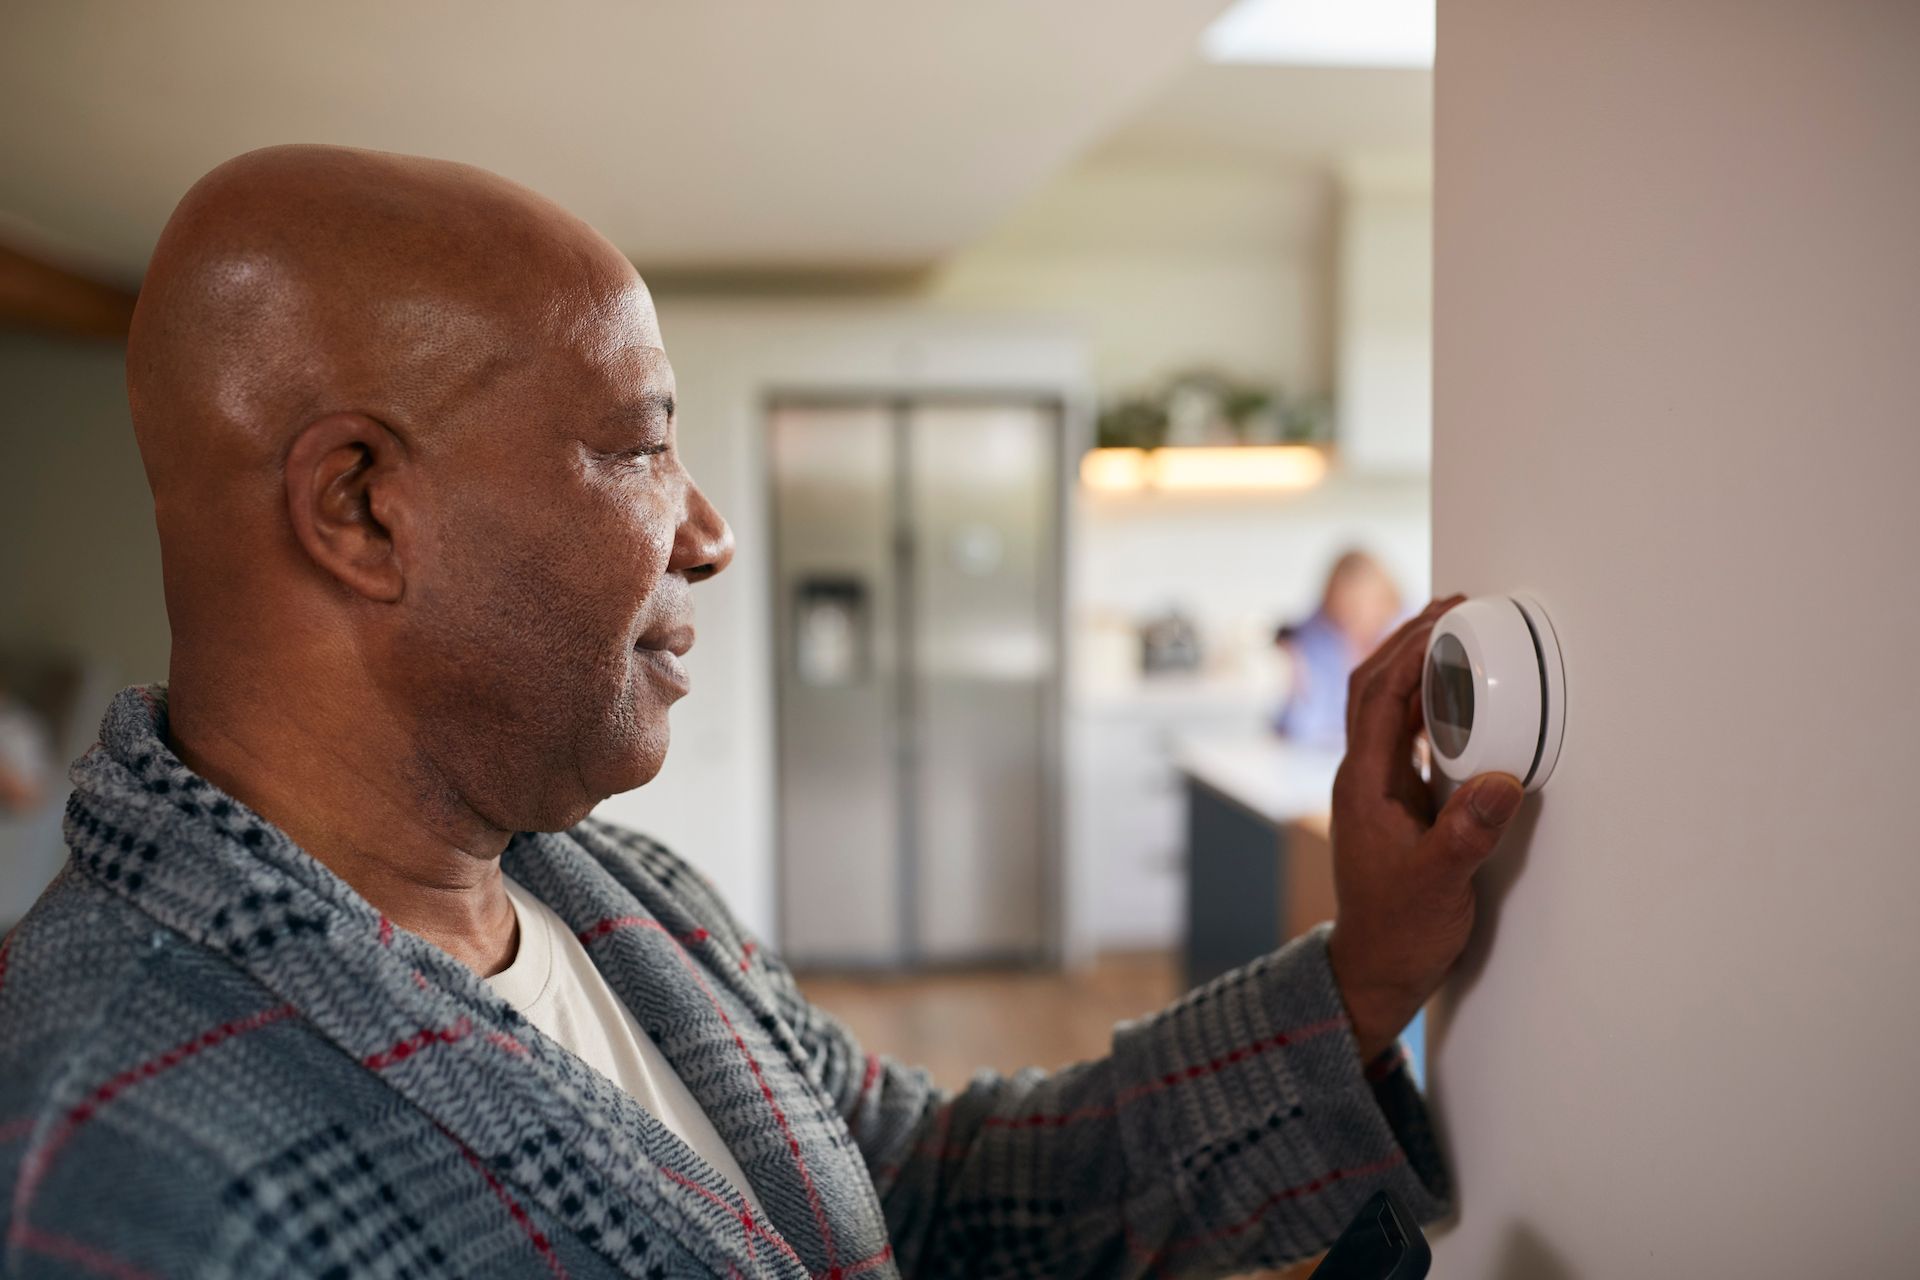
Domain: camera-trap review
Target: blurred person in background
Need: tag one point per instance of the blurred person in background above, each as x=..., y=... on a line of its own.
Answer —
x=26, y=756
x=1359, y=604
x=342, y=979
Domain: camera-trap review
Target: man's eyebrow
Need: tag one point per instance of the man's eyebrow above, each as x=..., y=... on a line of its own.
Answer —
x=644, y=408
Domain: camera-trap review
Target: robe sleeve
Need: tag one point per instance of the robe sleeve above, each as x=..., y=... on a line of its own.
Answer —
x=1234, y=1129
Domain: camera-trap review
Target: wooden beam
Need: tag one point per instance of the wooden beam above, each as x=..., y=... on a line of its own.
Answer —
x=37, y=295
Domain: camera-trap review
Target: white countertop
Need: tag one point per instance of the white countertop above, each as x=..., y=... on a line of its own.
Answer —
x=1274, y=778
x=1200, y=693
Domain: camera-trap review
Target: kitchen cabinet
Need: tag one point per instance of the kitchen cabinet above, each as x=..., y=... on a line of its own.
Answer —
x=1127, y=812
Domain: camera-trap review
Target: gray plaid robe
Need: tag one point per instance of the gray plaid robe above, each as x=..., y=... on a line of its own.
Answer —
x=216, y=1059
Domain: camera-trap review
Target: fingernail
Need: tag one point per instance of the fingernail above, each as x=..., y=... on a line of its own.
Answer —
x=1494, y=801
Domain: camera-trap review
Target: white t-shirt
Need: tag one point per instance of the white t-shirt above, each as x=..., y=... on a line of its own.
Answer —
x=553, y=983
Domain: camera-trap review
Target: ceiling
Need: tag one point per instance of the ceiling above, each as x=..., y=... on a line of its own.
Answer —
x=694, y=133
x=1290, y=115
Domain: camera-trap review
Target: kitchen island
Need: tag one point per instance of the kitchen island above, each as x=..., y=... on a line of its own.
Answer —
x=1259, y=864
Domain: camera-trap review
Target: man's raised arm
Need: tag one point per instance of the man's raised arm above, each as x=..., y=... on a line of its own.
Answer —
x=1243, y=1125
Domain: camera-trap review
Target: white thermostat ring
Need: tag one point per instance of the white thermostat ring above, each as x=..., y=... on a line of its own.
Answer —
x=1494, y=691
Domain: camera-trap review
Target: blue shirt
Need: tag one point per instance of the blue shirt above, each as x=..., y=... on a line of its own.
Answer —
x=1315, y=712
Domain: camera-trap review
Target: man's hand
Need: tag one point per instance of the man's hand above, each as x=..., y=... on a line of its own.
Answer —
x=1403, y=877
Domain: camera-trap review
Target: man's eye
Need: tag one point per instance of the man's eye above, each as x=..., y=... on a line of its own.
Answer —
x=647, y=451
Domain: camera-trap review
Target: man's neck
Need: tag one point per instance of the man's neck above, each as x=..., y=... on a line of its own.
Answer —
x=349, y=790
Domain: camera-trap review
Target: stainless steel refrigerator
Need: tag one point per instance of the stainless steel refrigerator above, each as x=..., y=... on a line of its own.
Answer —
x=918, y=563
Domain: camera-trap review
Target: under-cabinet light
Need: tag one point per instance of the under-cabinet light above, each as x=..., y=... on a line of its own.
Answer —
x=1214, y=469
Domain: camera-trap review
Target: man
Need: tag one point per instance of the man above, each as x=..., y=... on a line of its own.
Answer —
x=341, y=981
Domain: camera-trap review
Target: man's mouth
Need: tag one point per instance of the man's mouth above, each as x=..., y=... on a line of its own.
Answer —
x=675, y=639
x=661, y=651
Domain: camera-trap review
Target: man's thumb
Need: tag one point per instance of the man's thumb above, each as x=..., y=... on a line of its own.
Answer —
x=1470, y=825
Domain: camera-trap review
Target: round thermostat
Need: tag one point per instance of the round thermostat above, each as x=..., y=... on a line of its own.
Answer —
x=1495, y=692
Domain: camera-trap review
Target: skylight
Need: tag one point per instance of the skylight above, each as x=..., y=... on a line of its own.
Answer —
x=1344, y=33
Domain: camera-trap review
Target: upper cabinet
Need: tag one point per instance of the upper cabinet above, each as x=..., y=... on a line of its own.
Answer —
x=1384, y=397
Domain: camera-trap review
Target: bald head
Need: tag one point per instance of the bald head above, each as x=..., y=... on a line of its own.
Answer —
x=410, y=433
x=298, y=280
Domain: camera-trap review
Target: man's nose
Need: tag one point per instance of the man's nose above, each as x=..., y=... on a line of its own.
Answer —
x=703, y=544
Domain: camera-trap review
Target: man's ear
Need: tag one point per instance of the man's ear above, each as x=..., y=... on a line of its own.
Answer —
x=346, y=494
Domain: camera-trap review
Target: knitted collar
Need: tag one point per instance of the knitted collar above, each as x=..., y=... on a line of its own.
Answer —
x=204, y=865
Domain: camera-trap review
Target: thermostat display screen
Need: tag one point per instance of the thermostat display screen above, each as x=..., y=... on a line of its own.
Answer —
x=1449, y=696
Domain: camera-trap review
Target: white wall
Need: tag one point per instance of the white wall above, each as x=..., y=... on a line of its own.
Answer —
x=1677, y=300
x=1167, y=265
x=1385, y=326
x=1234, y=561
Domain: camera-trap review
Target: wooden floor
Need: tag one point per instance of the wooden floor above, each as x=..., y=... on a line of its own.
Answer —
x=955, y=1024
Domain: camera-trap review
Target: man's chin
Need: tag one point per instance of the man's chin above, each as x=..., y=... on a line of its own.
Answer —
x=631, y=773
x=646, y=771
x=642, y=761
